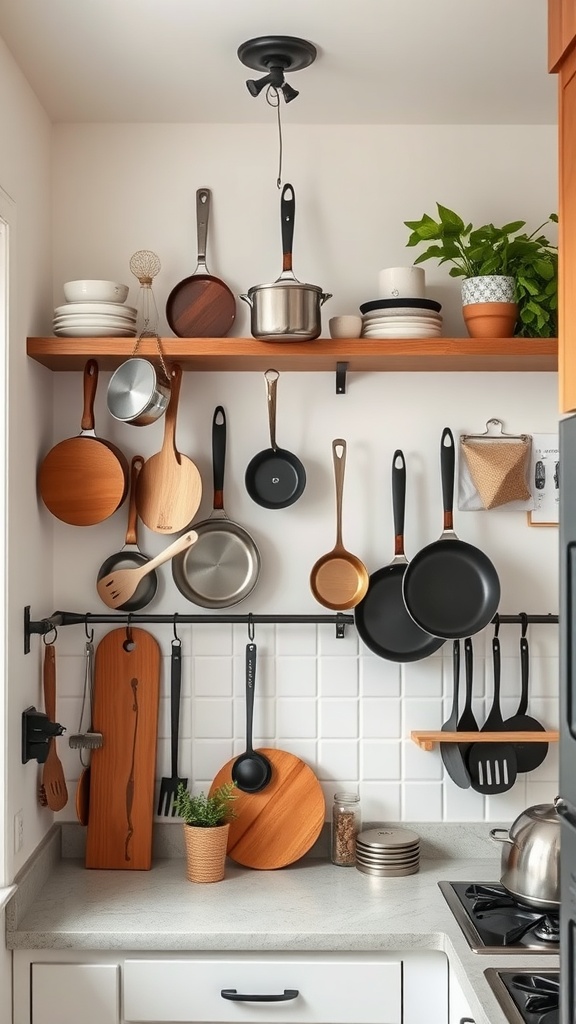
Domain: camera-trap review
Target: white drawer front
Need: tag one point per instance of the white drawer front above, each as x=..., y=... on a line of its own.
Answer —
x=330, y=991
x=73, y=993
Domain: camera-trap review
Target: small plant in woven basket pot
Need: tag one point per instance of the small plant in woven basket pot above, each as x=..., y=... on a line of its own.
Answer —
x=206, y=825
x=516, y=271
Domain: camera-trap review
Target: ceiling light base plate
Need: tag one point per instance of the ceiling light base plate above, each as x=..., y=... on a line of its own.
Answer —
x=288, y=52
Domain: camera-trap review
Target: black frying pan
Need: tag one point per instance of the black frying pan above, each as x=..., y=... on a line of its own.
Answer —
x=381, y=618
x=275, y=478
x=451, y=588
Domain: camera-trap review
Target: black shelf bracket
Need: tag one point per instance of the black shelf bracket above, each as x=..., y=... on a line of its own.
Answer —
x=57, y=619
x=341, y=371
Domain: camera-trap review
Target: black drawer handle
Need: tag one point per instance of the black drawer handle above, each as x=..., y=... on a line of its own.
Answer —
x=239, y=997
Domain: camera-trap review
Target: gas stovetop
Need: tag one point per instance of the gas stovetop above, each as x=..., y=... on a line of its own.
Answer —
x=494, y=922
x=527, y=997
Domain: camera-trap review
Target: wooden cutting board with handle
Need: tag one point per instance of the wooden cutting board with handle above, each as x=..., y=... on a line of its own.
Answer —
x=278, y=825
x=122, y=770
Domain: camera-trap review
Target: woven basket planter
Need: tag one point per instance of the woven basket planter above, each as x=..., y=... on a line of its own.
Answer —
x=205, y=852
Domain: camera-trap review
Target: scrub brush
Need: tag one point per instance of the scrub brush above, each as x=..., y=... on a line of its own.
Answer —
x=90, y=739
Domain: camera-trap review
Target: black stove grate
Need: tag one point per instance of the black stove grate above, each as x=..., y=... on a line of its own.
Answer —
x=535, y=995
x=494, y=921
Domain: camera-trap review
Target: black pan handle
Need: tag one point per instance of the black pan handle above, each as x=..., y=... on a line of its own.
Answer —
x=287, y=212
x=524, y=675
x=494, y=720
x=398, y=499
x=469, y=666
x=218, y=455
x=175, y=691
x=447, y=464
x=280, y=997
x=456, y=679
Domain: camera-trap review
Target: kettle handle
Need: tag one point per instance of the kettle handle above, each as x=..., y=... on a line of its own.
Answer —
x=499, y=839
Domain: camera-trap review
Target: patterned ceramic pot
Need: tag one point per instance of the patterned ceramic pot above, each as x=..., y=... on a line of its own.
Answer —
x=491, y=288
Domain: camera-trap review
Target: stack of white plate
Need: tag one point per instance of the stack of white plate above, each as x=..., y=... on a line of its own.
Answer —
x=401, y=318
x=94, y=320
x=388, y=851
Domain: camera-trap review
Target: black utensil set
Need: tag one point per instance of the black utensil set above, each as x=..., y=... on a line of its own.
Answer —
x=490, y=767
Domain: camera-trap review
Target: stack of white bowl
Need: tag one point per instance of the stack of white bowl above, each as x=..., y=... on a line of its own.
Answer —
x=388, y=851
x=95, y=309
x=402, y=311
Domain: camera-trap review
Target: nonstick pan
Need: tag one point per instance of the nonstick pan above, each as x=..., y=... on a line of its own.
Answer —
x=275, y=478
x=339, y=580
x=201, y=306
x=381, y=618
x=130, y=556
x=223, y=566
x=451, y=588
x=84, y=480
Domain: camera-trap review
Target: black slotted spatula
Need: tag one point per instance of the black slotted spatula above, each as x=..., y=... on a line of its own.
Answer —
x=492, y=766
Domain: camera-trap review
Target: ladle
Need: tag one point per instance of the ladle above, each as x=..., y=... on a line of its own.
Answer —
x=251, y=771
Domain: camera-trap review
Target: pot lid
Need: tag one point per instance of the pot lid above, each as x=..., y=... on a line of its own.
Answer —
x=287, y=283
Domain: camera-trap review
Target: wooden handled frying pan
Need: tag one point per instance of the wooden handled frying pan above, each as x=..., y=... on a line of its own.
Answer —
x=169, y=487
x=83, y=480
x=201, y=306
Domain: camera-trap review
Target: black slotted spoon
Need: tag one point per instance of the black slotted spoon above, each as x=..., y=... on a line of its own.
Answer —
x=492, y=766
x=452, y=756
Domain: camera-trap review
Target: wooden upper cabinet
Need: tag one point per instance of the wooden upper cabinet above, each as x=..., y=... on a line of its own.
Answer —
x=561, y=31
x=562, y=40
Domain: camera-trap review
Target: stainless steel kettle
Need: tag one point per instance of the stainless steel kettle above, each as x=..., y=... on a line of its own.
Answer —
x=531, y=856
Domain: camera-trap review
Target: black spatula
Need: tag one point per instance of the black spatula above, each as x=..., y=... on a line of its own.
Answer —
x=492, y=766
x=467, y=721
x=528, y=755
x=454, y=762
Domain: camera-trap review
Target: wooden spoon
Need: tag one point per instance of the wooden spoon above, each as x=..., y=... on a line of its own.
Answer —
x=169, y=487
x=53, y=781
x=117, y=587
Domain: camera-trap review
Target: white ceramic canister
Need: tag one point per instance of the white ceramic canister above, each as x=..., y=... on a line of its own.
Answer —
x=402, y=282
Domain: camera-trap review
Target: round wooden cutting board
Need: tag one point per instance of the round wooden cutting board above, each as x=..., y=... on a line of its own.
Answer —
x=281, y=823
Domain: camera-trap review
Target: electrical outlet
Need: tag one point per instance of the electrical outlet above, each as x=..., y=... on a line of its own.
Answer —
x=18, y=831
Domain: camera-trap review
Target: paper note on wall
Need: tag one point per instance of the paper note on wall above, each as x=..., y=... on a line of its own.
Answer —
x=545, y=480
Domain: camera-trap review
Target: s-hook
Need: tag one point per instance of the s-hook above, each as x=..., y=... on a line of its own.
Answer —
x=176, y=642
x=250, y=627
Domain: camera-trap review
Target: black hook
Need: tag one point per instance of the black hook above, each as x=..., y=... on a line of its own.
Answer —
x=250, y=627
x=496, y=621
x=524, y=620
x=176, y=641
x=89, y=635
x=52, y=629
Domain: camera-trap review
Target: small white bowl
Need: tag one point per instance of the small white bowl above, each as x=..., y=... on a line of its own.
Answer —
x=95, y=291
x=345, y=326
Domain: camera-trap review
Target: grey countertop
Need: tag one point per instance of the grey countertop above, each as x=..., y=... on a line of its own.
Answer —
x=310, y=906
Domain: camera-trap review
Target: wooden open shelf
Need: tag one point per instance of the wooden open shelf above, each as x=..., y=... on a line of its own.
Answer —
x=427, y=740
x=357, y=354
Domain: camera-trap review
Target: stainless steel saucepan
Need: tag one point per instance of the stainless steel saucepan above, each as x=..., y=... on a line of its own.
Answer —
x=286, y=310
x=137, y=393
x=531, y=856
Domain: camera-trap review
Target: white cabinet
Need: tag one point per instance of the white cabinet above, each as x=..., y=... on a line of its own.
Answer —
x=459, y=1011
x=75, y=993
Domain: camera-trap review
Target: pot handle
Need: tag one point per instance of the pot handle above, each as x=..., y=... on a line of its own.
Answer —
x=247, y=299
x=499, y=839
x=324, y=297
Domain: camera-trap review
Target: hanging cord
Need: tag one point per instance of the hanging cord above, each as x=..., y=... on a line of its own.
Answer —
x=272, y=91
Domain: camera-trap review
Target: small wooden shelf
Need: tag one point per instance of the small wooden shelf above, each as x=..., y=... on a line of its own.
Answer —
x=358, y=354
x=427, y=740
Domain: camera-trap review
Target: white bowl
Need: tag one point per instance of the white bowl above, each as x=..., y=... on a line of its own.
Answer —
x=95, y=291
x=345, y=326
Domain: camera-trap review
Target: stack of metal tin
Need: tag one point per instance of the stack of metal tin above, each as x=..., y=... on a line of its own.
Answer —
x=388, y=851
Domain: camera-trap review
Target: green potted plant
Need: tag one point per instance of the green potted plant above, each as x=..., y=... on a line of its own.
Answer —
x=528, y=264
x=206, y=825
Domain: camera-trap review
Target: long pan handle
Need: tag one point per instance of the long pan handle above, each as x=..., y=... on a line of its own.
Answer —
x=447, y=464
x=175, y=691
x=287, y=213
x=339, y=459
x=524, y=675
x=202, y=215
x=90, y=385
x=132, y=525
x=398, y=499
x=218, y=455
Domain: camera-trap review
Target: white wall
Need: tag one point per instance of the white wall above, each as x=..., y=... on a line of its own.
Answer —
x=125, y=187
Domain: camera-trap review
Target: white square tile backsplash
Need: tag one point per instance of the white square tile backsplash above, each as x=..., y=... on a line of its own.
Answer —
x=343, y=710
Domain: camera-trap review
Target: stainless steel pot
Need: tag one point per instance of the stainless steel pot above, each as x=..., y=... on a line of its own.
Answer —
x=531, y=856
x=286, y=310
x=136, y=394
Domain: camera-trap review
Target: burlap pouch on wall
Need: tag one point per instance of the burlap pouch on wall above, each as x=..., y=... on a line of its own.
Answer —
x=499, y=468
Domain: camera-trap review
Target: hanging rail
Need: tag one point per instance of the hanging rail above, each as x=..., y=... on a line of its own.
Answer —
x=340, y=620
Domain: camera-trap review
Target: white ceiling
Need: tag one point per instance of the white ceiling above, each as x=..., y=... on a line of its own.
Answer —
x=379, y=61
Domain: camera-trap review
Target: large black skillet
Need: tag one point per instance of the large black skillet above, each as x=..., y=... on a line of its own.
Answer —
x=275, y=477
x=451, y=588
x=381, y=618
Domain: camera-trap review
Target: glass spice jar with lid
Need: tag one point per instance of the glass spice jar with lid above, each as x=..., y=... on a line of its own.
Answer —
x=346, y=824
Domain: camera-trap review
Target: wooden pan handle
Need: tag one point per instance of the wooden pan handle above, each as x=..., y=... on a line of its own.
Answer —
x=170, y=416
x=90, y=385
x=132, y=527
x=50, y=682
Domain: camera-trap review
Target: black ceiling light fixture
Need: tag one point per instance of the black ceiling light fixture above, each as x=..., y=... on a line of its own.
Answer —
x=276, y=55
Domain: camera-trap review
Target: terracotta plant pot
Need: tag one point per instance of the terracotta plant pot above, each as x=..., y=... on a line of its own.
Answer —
x=205, y=852
x=490, y=319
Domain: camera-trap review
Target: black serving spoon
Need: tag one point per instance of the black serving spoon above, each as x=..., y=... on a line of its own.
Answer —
x=528, y=755
x=251, y=771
